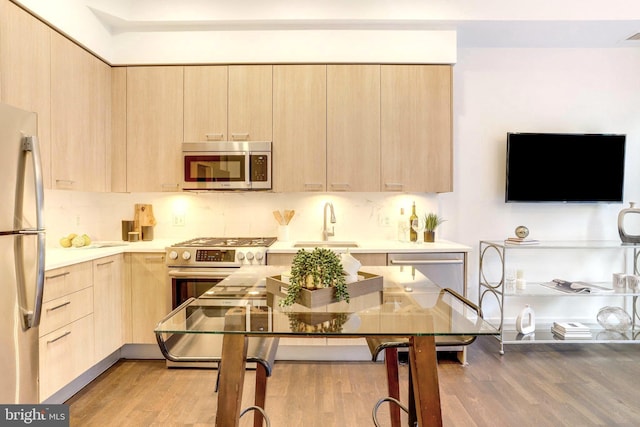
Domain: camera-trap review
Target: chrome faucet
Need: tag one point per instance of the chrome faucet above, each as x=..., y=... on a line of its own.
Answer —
x=325, y=232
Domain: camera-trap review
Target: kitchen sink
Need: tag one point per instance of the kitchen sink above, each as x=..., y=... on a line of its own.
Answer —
x=327, y=244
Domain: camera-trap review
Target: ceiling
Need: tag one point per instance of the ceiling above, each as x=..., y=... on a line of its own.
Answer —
x=490, y=23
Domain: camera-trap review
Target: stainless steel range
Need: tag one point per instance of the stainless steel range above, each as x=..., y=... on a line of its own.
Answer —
x=196, y=269
x=197, y=266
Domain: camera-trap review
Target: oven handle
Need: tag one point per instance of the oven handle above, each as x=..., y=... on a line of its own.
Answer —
x=199, y=273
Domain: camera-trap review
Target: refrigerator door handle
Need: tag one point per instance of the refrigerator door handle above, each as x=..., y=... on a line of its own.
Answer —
x=30, y=145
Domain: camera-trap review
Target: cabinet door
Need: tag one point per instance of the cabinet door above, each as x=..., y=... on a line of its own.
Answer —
x=250, y=102
x=299, y=127
x=25, y=72
x=154, y=128
x=118, y=147
x=65, y=354
x=150, y=295
x=353, y=127
x=108, y=312
x=80, y=117
x=205, y=103
x=416, y=125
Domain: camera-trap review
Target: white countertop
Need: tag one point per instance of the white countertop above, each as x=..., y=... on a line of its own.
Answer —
x=383, y=246
x=62, y=257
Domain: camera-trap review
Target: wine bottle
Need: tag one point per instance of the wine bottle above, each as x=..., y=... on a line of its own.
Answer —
x=413, y=234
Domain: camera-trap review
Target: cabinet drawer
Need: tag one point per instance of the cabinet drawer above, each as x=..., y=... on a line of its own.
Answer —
x=64, y=310
x=65, y=354
x=65, y=280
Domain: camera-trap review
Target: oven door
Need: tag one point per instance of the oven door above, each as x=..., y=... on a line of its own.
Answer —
x=220, y=170
x=193, y=282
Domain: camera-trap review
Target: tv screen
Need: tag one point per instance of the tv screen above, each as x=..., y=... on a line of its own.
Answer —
x=555, y=167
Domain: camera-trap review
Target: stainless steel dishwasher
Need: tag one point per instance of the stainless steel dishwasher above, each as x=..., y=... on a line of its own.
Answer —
x=446, y=269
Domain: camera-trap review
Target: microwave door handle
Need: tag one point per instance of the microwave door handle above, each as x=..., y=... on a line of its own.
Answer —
x=30, y=145
x=247, y=175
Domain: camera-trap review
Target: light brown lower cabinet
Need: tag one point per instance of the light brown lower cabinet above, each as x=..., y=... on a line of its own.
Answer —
x=108, y=305
x=65, y=354
x=66, y=343
x=150, y=296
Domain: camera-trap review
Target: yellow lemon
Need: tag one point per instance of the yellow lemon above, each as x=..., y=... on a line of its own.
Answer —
x=65, y=242
x=78, y=242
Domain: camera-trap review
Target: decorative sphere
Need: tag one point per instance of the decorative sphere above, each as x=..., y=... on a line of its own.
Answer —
x=522, y=231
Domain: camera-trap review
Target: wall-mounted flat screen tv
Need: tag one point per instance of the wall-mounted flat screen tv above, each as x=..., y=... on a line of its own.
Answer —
x=572, y=168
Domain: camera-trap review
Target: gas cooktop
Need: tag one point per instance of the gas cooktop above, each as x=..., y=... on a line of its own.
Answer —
x=219, y=252
x=237, y=242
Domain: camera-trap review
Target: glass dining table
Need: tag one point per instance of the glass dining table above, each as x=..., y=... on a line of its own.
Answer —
x=406, y=305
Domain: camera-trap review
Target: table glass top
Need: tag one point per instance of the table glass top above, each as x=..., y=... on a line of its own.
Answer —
x=408, y=305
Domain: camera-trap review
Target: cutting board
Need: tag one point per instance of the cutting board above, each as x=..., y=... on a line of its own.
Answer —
x=143, y=215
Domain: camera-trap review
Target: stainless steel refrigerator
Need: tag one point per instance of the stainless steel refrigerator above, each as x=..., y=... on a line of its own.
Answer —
x=22, y=246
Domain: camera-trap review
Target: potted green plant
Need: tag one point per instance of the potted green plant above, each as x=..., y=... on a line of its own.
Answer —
x=431, y=222
x=317, y=269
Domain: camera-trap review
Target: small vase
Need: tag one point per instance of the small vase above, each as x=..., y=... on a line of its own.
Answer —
x=429, y=236
x=624, y=236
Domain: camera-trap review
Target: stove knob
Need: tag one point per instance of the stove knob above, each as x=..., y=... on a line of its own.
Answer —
x=173, y=255
x=249, y=256
x=240, y=256
x=186, y=255
x=259, y=256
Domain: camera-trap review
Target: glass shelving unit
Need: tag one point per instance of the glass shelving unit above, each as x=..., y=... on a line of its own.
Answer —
x=492, y=286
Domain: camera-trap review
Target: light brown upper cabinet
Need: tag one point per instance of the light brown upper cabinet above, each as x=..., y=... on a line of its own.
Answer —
x=80, y=117
x=353, y=128
x=25, y=72
x=416, y=128
x=299, y=127
x=227, y=103
x=154, y=128
x=205, y=103
x=250, y=103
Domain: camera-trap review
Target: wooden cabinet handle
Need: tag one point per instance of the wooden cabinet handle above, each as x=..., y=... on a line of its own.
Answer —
x=100, y=264
x=64, y=304
x=59, y=338
x=340, y=186
x=214, y=136
x=312, y=187
x=170, y=187
x=240, y=136
x=55, y=276
x=393, y=186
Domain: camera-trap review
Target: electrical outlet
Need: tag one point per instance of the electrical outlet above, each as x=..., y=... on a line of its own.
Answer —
x=178, y=220
x=384, y=220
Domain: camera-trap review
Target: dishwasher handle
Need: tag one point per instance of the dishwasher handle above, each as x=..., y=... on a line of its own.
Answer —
x=425, y=261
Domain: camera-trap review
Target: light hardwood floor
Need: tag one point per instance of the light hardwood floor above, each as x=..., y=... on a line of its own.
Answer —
x=575, y=385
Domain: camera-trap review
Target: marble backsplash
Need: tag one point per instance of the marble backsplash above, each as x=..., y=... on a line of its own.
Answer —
x=358, y=215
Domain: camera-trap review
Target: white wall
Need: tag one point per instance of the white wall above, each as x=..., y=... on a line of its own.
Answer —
x=543, y=90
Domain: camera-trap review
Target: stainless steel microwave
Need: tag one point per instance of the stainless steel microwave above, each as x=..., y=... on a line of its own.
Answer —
x=227, y=165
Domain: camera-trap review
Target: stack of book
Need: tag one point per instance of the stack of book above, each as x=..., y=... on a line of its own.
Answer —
x=570, y=330
x=521, y=241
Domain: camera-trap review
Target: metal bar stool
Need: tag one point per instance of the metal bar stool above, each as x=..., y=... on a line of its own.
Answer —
x=390, y=346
